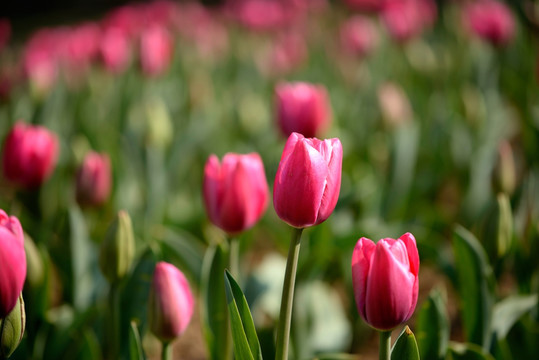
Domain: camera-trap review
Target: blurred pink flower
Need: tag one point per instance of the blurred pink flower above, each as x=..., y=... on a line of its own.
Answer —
x=406, y=19
x=127, y=18
x=93, y=180
x=40, y=58
x=115, y=50
x=5, y=32
x=266, y=15
x=12, y=262
x=288, y=52
x=365, y=5
x=490, y=20
x=303, y=108
x=29, y=155
x=385, y=280
x=358, y=36
x=156, y=50
x=80, y=45
x=235, y=191
x=171, y=304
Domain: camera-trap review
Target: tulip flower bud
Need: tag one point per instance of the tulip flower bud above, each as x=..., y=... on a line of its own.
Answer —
x=156, y=49
x=505, y=174
x=12, y=262
x=171, y=302
x=12, y=326
x=308, y=180
x=93, y=180
x=385, y=279
x=29, y=155
x=303, y=108
x=358, y=36
x=235, y=191
x=490, y=20
x=118, y=248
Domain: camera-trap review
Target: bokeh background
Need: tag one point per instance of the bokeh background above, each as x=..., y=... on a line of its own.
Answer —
x=437, y=108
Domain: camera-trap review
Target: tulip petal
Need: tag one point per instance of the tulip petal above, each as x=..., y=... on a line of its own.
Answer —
x=331, y=150
x=299, y=184
x=389, y=288
x=212, y=190
x=361, y=259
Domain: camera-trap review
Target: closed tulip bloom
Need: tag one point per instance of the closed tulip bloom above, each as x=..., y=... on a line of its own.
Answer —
x=235, y=191
x=12, y=262
x=29, y=155
x=156, y=49
x=490, y=20
x=303, y=108
x=385, y=278
x=94, y=180
x=308, y=180
x=171, y=302
x=358, y=36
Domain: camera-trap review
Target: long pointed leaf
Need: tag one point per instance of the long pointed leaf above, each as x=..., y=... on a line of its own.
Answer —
x=475, y=282
x=243, y=329
x=433, y=327
x=405, y=347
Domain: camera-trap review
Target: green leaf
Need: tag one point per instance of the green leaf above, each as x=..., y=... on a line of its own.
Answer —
x=475, y=283
x=84, y=260
x=246, y=345
x=135, y=343
x=508, y=311
x=182, y=248
x=405, y=347
x=433, y=326
x=458, y=351
x=214, y=303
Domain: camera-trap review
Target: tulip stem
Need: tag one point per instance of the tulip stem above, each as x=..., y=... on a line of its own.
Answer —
x=385, y=345
x=166, y=351
x=287, y=300
x=114, y=319
x=234, y=250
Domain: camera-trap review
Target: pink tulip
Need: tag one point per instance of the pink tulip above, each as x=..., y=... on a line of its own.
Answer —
x=5, y=32
x=308, y=180
x=288, y=52
x=490, y=20
x=235, y=191
x=40, y=58
x=385, y=278
x=115, y=50
x=358, y=36
x=303, y=108
x=406, y=19
x=365, y=5
x=261, y=15
x=171, y=302
x=29, y=155
x=156, y=49
x=12, y=262
x=94, y=180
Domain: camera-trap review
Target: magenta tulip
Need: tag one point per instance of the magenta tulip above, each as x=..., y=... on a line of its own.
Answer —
x=93, y=180
x=303, y=108
x=490, y=20
x=358, y=36
x=171, y=302
x=308, y=180
x=385, y=279
x=29, y=155
x=115, y=50
x=236, y=191
x=12, y=262
x=156, y=50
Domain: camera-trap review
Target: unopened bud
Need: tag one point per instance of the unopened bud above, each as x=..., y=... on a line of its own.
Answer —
x=12, y=329
x=118, y=248
x=505, y=171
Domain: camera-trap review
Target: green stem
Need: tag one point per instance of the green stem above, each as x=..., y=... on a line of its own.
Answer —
x=385, y=345
x=234, y=259
x=287, y=300
x=166, y=352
